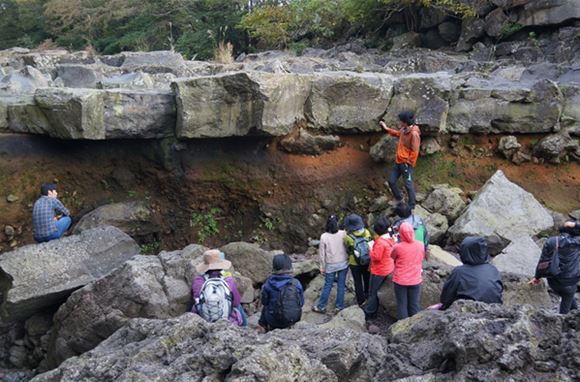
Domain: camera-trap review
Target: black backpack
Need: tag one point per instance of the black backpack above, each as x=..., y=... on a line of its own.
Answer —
x=288, y=309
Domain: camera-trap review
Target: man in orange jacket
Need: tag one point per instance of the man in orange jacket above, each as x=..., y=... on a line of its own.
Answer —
x=407, y=153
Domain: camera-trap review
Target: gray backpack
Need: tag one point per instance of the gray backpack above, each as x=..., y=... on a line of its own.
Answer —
x=215, y=300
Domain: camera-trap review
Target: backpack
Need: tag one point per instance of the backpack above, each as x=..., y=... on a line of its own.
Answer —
x=361, y=250
x=551, y=267
x=215, y=300
x=288, y=309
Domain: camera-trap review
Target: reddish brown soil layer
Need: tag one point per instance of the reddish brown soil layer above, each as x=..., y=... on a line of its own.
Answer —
x=251, y=190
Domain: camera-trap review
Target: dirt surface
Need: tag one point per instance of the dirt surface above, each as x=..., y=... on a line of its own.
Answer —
x=218, y=191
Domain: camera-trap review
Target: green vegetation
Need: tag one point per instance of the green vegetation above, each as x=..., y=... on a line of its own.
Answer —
x=508, y=29
x=206, y=223
x=150, y=248
x=203, y=28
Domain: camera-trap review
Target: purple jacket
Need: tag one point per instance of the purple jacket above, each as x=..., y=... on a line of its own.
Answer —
x=235, y=317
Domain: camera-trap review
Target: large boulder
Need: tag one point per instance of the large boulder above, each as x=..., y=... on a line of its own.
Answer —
x=508, y=146
x=250, y=260
x=21, y=114
x=98, y=114
x=501, y=212
x=348, y=102
x=39, y=276
x=520, y=257
x=549, y=12
x=425, y=94
x=302, y=142
x=385, y=149
x=571, y=112
x=445, y=200
x=553, y=147
x=145, y=286
x=187, y=348
x=136, y=219
x=312, y=295
x=136, y=80
x=25, y=80
x=476, y=341
x=238, y=104
x=505, y=108
x=78, y=76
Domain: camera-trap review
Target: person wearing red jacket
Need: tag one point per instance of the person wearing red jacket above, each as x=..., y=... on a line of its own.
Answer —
x=408, y=255
x=409, y=136
x=382, y=264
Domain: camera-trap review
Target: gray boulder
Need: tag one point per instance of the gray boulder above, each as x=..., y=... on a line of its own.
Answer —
x=506, y=108
x=25, y=80
x=465, y=343
x=98, y=114
x=136, y=80
x=136, y=219
x=385, y=150
x=348, y=102
x=520, y=257
x=153, y=62
x=437, y=225
x=508, y=146
x=187, y=348
x=78, y=76
x=39, y=276
x=426, y=95
x=571, y=111
x=553, y=147
x=429, y=146
x=250, y=260
x=549, y=12
x=501, y=212
x=445, y=200
x=145, y=286
x=238, y=104
x=312, y=295
x=302, y=142
x=21, y=114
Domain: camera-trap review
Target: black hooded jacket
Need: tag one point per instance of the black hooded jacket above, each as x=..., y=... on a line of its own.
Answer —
x=476, y=279
x=569, y=254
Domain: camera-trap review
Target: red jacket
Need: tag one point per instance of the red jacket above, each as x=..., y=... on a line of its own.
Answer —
x=381, y=261
x=408, y=256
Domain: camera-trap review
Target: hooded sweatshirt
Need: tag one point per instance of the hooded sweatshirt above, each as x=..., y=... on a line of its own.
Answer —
x=271, y=292
x=476, y=279
x=408, y=256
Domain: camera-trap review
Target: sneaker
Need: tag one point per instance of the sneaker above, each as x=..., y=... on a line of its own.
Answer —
x=337, y=310
x=317, y=309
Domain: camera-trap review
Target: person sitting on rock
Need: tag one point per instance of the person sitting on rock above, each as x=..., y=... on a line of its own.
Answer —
x=282, y=297
x=382, y=264
x=403, y=210
x=564, y=281
x=215, y=294
x=476, y=279
x=408, y=256
x=356, y=232
x=407, y=153
x=333, y=264
x=50, y=219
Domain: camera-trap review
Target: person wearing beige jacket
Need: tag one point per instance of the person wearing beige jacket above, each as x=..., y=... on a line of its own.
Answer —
x=333, y=264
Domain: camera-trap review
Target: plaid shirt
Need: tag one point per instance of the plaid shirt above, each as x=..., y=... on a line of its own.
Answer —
x=43, y=223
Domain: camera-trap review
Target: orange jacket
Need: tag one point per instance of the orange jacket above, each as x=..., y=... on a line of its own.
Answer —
x=409, y=144
x=382, y=263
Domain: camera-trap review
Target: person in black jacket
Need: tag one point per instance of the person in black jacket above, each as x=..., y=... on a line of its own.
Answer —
x=564, y=285
x=476, y=279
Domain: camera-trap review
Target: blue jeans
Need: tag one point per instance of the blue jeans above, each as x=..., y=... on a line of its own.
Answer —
x=62, y=225
x=243, y=315
x=328, y=281
x=408, y=297
x=406, y=171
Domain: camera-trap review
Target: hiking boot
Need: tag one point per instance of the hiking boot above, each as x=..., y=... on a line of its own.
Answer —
x=317, y=309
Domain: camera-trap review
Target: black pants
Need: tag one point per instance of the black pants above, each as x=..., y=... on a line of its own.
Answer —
x=406, y=171
x=373, y=305
x=408, y=297
x=361, y=276
x=566, y=290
